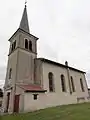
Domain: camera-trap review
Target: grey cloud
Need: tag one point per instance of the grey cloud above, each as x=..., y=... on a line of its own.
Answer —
x=63, y=27
x=2, y=73
x=1, y=83
x=48, y=52
x=88, y=78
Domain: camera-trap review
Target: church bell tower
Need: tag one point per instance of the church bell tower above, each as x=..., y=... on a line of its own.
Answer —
x=22, y=52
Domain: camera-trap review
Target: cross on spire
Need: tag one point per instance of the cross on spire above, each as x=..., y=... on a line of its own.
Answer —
x=24, y=25
x=25, y=3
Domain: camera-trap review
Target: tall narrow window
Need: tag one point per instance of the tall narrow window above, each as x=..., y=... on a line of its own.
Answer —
x=81, y=83
x=10, y=73
x=63, y=83
x=72, y=84
x=12, y=47
x=26, y=43
x=30, y=45
x=14, y=44
x=51, y=82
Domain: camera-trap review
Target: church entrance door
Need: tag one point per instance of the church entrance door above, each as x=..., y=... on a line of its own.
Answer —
x=16, y=103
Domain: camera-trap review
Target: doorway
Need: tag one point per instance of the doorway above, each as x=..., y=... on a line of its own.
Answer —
x=16, y=103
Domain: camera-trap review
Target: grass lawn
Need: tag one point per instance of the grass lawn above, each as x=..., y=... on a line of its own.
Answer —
x=67, y=112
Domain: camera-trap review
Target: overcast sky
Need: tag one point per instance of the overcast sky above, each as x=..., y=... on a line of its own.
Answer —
x=63, y=28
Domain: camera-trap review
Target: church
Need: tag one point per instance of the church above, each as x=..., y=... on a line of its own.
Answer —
x=36, y=83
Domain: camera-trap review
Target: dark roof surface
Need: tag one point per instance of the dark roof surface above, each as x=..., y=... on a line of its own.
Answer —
x=24, y=25
x=59, y=64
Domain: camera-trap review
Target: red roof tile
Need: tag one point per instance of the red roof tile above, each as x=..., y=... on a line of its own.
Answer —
x=32, y=88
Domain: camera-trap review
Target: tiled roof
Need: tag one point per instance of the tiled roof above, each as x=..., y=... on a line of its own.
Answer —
x=32, y=88
x=59, y=64
x=24, y=25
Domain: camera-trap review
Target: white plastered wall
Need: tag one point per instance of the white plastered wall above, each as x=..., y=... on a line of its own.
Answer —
x=58, y=97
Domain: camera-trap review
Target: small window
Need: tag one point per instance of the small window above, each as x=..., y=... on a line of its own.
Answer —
x=26, y=43
x=63, y=83
x=35, y=96
x=72, y=84
x=82, y=86
x=30, y=45
x=10, y=73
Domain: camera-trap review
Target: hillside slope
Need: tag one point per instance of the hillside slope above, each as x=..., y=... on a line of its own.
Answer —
x=67, y=112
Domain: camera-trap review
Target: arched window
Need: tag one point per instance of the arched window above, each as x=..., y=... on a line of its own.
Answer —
x=81, y=83
x=10, y=73
x=12, y=47
x=26, y=43
x=14, y=44
x=63, y=83
x=51, y=82
x=72, y=84
x=30, y=45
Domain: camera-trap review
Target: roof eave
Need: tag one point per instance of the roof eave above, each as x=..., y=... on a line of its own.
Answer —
x=40, y=91
x=58, y=64
x=36, y=38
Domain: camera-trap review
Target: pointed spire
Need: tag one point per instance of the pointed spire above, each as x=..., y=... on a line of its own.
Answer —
x=25, y=3
x=24, y=25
